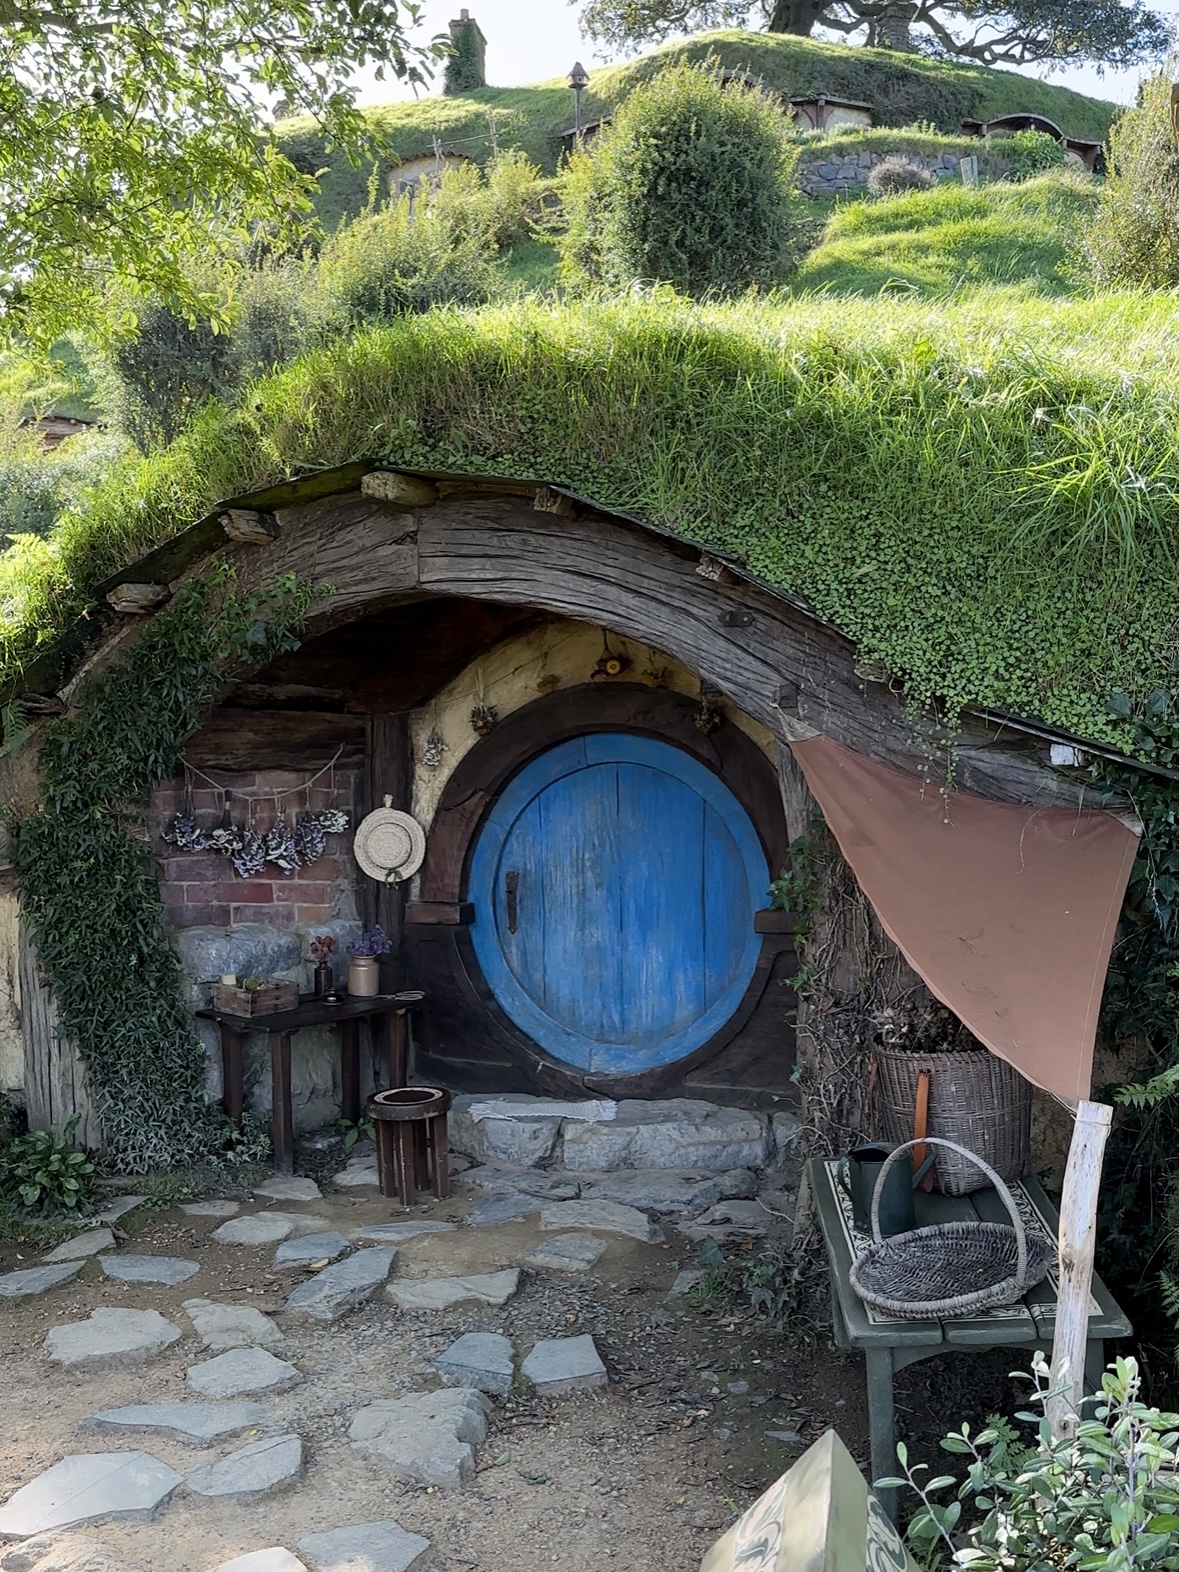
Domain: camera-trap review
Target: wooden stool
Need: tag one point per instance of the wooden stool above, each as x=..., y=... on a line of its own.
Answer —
x=412, y=1149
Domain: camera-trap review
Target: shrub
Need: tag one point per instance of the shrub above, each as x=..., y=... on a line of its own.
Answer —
x=37, y=484
x=895, y=175
x=1106, y=1498
x=1026, y=154
x=44, y=1170
x=692, y=184
x=407, y=257
x=1134, y=237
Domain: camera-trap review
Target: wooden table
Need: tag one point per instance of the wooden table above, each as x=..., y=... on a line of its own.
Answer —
x=889, y=1344
x=280, y=1026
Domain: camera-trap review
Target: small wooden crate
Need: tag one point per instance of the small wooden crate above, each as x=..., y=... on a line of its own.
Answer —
x=267, y=1000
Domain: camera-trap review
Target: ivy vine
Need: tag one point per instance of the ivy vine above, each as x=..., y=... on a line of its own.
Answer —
x=89, y=888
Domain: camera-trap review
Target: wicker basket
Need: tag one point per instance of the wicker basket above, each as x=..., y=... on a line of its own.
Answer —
x=976, y=1101
x=951, y=1269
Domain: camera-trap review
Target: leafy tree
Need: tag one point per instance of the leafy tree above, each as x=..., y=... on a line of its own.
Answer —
x=1020, y=32
x=692, y=184
x=1134, y=237
x=131, y=139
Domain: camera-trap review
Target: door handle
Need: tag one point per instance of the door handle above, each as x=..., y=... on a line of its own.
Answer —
x=511, y=887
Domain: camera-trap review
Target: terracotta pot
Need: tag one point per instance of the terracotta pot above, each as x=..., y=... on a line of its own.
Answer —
x=364, y=980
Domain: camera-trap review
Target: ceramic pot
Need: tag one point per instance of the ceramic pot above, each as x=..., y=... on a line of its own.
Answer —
x=364, y=980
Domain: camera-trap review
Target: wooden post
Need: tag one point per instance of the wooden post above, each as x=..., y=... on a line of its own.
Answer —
x=1078, y=1237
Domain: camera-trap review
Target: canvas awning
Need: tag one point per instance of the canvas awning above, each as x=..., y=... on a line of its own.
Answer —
x=1008, y=913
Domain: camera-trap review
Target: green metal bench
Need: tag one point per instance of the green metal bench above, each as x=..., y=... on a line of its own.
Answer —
x=890, y=1344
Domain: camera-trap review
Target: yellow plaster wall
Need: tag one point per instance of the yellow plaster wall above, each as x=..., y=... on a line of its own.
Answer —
x=560, y=654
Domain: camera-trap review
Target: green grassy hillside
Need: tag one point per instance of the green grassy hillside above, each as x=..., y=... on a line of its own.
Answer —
x=902, y=89
x=935, y=242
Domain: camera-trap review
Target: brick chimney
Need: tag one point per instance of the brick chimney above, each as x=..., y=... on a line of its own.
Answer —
x=466, y=68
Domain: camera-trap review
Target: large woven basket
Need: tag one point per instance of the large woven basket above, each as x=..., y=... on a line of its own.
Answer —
x=976, y=1100
x=951, y=1269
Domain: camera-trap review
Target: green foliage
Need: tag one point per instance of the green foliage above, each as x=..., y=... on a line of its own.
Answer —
x=464, y=64
x=1105, y=1500
x=1134, y=239
x=131, y=145
x=45, y=1171
x=1029, y=153
x=88, y=883
x=896, y=174
x=901, y=89
x=692, y=184
x=938, y=242
x=38, y=485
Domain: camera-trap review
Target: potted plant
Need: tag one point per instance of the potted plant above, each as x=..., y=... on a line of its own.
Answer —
x=322, y=948
x=363, y=970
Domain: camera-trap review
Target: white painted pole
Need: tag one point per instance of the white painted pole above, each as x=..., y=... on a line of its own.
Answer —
x=1077, y=1242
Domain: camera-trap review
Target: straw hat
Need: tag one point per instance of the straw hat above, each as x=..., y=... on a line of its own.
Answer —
x=389, y=845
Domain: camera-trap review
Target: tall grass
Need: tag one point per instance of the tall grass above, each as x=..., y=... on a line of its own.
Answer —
x=983, y=494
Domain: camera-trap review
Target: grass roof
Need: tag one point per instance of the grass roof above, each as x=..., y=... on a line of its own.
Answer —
x=983, y=493
x=901, y=88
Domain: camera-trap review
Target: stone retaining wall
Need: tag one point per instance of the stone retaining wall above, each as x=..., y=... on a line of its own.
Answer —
x=829, y=174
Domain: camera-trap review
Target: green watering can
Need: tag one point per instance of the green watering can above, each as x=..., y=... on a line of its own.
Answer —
x=858, y=1173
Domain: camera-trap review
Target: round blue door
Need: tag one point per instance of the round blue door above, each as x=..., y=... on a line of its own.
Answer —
x=615, y=884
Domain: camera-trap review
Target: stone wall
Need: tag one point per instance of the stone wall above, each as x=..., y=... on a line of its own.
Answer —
x=828, y=174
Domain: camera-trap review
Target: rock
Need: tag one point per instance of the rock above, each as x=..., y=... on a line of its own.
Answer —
x=312, y=1247
x=289, y=1187
x=340, y=1288
x=365, y=1547
x=505, y=1129
x=668, y=1189
x=111, y=1337
x=231, y=1326
x=428, y=1438
x=558, y=1366
x=253, y=1470
x=249, y=949
x=82, y=1246
x=439, y=1293
x=479, y=1359
x=728, y=1222
x=678, y=1133
x=261, y=1228
x=92, y=1487
x=211, y=1208
x=273, y=1559
x=196, y=1424
x=786, y=1133
x=685, y=1282
x=504, y=1209
x=60, y=1553
x=566, y=1253
x=166, y=1269
x=113, y=1210
x=606, y=1216
x=37, y=1279
x=398, y=1233
x=786, y=1437
x=546, y=1185
x=359, y=1172
x=242, y=1370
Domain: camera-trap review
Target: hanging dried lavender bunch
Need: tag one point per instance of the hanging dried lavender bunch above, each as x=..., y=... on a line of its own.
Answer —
x=310, y=838
x=226, y=839
x=333, y=821
x=184, y=832
x=279, y=847
x=252, y=857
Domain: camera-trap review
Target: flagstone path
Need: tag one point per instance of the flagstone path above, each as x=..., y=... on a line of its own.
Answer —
x=315, y=1379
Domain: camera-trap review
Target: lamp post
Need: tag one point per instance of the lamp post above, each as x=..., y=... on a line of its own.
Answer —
x=578, y=78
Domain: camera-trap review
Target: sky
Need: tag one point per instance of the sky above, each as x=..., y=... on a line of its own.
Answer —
x=532, y=40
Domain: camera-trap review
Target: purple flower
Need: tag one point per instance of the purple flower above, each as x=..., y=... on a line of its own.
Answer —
x=373, y=942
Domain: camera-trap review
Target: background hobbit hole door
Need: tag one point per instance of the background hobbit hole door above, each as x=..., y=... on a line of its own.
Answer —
x=614, y=884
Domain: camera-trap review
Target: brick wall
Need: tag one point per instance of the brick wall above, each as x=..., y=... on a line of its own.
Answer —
x=201, y=888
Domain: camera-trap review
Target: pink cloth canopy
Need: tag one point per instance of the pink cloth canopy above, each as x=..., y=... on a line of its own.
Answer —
x=1008, y=913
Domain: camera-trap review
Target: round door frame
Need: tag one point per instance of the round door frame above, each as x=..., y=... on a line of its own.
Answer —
x=440, y=951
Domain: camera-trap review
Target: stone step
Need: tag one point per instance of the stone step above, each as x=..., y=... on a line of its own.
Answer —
x=516, y=1192
x=599, y=1136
